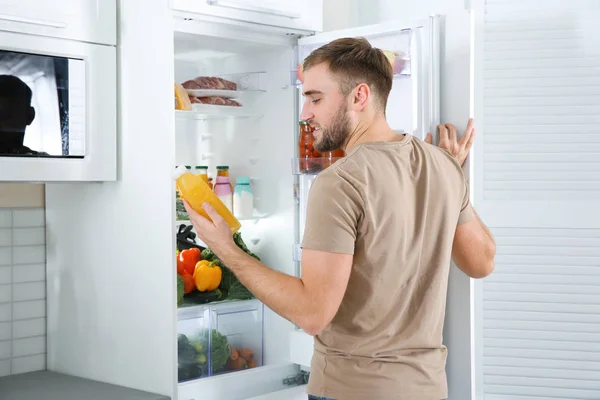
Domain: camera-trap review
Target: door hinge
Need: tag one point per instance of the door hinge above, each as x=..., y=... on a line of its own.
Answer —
x=300, y=379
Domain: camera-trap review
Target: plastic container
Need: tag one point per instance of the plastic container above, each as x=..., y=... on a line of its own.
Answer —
x=196, y=191
x=211, y=336
x=243, y=198
x=223, y=191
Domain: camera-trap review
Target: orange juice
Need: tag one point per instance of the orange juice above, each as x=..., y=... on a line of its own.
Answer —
x=196, y=192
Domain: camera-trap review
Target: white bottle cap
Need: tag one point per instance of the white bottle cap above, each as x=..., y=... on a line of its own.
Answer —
x=180, y=170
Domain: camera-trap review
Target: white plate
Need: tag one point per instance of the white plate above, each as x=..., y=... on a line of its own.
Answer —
x=227, y=94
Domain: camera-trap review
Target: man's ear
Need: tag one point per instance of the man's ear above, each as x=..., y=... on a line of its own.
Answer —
x=30, y=115
x=362, y=93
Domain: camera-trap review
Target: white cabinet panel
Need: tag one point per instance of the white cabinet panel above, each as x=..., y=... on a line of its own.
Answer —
x=85, y=20
x=296, y=14
x=537, y=182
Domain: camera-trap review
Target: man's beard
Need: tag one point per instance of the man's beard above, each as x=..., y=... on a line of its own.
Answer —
x=335, y=135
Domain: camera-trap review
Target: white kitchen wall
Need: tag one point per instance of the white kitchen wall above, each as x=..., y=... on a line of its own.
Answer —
x=22, y=283
x=375, y=11
x=340, y=14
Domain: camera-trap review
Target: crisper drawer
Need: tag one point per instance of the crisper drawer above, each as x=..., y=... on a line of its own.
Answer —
x=306, y=15
x=219, y=338
x=92, y=21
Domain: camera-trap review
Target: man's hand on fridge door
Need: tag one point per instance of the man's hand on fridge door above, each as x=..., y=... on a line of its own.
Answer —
x=214, y=232
x=449, y=140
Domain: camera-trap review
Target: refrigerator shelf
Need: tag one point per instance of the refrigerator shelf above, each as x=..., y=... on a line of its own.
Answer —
x=254, y=218
x=205, y=112
x=248, y=82
x=219, y=338
x=312, y=166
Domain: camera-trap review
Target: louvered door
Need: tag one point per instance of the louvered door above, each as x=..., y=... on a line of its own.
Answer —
x=537, y=185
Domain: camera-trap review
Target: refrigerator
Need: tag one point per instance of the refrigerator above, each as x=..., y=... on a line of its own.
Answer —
x=259, y=139
x=112, y=312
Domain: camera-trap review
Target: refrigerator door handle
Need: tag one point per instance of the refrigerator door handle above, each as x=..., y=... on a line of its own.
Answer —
x=244, y=7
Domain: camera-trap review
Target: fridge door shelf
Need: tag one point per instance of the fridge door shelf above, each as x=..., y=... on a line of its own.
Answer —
x=297, y=252
x=312, y=166
x=397, y=47
x=402, y=69
x=219, y=338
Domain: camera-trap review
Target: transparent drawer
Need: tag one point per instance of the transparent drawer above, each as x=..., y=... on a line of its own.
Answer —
x=219, y=338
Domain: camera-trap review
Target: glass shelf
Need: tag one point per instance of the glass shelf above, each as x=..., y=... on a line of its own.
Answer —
x=255, y=218
x=248, y=82
x=311, y=166
x=211, y=112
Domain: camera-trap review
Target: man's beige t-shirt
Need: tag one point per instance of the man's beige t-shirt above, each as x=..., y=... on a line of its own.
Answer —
x=395, y=206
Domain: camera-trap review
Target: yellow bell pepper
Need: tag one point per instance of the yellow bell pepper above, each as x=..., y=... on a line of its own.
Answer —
x=207, y=276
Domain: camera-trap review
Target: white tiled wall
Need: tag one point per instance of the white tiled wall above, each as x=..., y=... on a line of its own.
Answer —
x=22, y=290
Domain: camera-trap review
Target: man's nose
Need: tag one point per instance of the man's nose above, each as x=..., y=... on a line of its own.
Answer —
x=306, y=114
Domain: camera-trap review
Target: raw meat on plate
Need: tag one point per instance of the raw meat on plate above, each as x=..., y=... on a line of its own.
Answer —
x=214, y=100
x=209, y=82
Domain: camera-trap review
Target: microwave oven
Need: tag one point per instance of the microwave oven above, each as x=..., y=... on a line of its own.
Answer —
x=58, y=110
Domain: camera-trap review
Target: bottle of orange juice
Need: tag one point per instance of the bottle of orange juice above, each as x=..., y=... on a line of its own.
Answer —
x=196, y=192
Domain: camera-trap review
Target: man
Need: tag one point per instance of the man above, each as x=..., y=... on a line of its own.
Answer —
x=16, y=114
x=382, y=225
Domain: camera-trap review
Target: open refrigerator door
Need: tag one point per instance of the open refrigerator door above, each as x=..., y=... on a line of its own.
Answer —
x=413, y=107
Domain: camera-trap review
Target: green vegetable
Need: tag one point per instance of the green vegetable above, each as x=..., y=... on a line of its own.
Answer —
x=201, y=359
x=197, y=346
x=180, y=208
x=227, y=278
x=220, y=349
x=237, y=291
x=188, y=372
x=197, y=297
x=237, y=238
x=207, y=254
x=180, y=286
x=185, y=352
